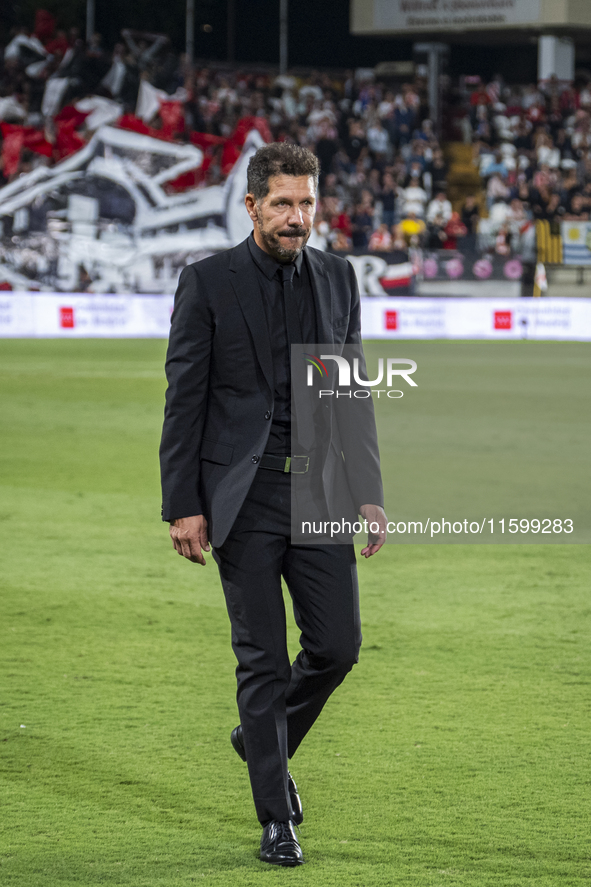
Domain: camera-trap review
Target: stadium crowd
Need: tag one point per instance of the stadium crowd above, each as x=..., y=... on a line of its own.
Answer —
x=532, y=148
x=384, y=175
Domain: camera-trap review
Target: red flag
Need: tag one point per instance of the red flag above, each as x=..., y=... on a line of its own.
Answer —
x=205, y=140
x=67, y=141
x=18, y=137
x=69, y=113
x=173, y=119
x=230, y=155
x=11, y=149
x=134, y=124
x=245, y=124
x=188, y=179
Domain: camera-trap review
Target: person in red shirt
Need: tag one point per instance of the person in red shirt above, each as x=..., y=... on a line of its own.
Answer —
x=480, y=97
x=342, y=222
x=455, y=228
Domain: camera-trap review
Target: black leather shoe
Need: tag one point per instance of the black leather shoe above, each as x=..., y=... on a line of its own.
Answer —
x=296, y=803
x=279, y=845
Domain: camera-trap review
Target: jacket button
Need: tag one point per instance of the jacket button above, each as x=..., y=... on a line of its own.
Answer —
x=255, y=459
x=268, y=414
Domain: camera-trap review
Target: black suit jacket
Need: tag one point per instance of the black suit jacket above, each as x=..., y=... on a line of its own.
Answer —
x=219, y=401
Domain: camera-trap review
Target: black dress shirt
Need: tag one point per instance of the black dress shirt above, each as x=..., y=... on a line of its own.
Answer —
x=271, y=283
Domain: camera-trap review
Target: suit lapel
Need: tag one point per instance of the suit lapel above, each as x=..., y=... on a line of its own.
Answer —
x=244, y=281
x=246, y=287
x=323, y=296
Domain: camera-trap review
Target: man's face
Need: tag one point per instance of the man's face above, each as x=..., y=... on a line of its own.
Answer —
x=283, y=219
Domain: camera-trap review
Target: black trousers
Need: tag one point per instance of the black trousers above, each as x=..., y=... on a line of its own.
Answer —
x=278, y=701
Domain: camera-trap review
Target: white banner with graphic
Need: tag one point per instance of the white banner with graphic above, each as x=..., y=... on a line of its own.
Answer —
x=30, y=315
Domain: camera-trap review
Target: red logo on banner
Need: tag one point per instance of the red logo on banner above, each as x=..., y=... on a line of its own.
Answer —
x=67, y=318
x=391, y=319
x=503, y=320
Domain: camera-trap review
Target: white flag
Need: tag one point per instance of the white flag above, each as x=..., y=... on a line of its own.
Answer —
x=540, y=279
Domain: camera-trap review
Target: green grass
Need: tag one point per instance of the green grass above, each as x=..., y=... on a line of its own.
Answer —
x=493, y=430
x=456, y=752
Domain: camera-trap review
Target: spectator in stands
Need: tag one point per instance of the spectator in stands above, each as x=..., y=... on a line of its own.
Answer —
x=404, y=121
x=439, y=206
x=388, y=198
x=339, y=218
x=497, y=166
x=544, y=201
x=340, y=242
x=435, y=236
x=416, y=174
x=470, y=217
x=326, y=148
x=356, y=143
x=332, y=187
x=362, y=226
x=147, y=47
x=480, y=97
x=381, y=240
x=454, y=231
x=439, y=170
x=503, y=241
x=378, y=141
x=418, y=155
x=414, y=197
x=576, y=211
x=547, y=154
x=412, y=229
x=322, y=232
x=374, y=187
x=523, y=139
x=496, y=189
x=425, y=134
x=570, y=181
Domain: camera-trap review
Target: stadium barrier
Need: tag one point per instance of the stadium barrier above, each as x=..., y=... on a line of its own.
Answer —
x=53, y=315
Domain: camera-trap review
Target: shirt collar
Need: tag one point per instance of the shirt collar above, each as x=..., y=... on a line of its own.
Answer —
x=267, y=264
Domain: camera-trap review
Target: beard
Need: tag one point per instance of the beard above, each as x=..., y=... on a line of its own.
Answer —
x=276, y=248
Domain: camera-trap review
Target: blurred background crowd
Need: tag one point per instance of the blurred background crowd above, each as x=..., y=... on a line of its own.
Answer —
x=386, y=184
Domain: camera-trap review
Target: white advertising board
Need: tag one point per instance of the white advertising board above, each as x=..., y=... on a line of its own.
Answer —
x=433, y=15
x=78, y=315
x=53, y=315
x=449, y=318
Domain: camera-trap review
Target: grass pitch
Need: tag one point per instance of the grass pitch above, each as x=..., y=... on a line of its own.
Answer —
x=456, y=752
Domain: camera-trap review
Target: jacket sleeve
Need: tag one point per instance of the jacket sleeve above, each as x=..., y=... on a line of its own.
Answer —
x=187, y=372
x=356, y=421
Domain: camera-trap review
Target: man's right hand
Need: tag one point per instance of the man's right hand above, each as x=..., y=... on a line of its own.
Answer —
x=189, y=537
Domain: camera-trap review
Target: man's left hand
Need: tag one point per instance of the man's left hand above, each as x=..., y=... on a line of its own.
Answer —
x=374, y=514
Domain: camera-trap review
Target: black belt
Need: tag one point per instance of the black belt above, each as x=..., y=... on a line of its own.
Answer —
x=286, y=464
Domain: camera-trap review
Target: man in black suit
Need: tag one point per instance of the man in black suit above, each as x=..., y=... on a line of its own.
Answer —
x=228, y=467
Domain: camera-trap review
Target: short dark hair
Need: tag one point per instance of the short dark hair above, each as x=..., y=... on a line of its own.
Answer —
x=279, y=159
